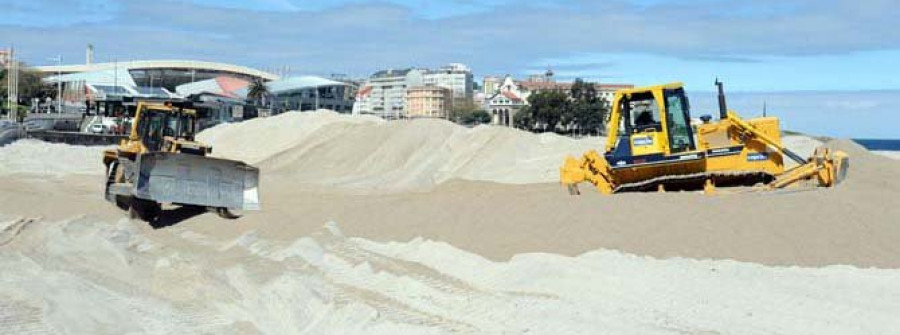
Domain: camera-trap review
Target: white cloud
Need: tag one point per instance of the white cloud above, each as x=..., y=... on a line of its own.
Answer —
x=501, y=37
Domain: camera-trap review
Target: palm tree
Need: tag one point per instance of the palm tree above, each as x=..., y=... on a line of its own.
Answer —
x=258, y=91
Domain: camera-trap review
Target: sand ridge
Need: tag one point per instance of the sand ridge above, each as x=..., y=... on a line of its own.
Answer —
x=359, y=153
x=180, y=281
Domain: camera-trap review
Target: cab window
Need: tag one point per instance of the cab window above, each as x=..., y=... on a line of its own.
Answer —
x=678, y=122
x=151, y=128
x=643, y=113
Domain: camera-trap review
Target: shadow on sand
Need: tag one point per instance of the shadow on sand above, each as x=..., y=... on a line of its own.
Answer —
x=174, y=216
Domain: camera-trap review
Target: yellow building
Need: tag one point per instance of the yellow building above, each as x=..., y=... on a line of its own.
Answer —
x=428, y=101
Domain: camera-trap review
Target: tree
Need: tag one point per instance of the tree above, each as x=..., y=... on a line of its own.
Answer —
x=589, y=116
x=588, y=112
x=477, y=117
x=30, y=83
x=258, y=91
x=544, y=112
x=581, y=110
x=462, y=110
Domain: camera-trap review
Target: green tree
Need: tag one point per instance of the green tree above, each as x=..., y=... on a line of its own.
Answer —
x=462, y=110
x=581, y=111
x=589, y=116
x=588, y=111
x=476, y=117
x=545, y=111
x=30, y=83
x=524, y=120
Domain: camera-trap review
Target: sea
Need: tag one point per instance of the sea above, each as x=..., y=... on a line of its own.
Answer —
x=879, y=145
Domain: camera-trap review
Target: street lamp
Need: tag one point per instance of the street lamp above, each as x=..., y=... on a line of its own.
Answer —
x=58, y=60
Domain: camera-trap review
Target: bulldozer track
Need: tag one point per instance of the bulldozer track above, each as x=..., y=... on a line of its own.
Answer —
x=696, y=180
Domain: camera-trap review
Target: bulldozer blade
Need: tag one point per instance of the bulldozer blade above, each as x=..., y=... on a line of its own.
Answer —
x=197, y=180
x=592, y=168
x=841, y=162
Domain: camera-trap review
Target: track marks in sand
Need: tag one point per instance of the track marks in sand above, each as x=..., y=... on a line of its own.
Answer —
x=9, y=230
x=87, y=276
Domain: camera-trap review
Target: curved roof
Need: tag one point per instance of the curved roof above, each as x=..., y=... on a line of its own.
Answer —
x=119, y=77
x=159, y=64
x=224, y=86
x=291, y=84
x=299, y=83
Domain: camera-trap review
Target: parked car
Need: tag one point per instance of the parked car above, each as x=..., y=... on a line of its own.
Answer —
x=98, y=128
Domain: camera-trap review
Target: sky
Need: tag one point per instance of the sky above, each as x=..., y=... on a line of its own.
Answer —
x=753, y=45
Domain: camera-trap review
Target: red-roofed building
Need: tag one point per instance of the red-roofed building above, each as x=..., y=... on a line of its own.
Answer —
x=504, y=104
x=511, y=95
x=608, y=91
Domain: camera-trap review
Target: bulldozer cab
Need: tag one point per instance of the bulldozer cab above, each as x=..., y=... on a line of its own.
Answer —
x=155, y=124
x=653, y=123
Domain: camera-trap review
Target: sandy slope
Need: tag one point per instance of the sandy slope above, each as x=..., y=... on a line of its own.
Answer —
x=531, y=258
x=50, y=159
x=889, y=154
x=180, y=281
x=329, y=149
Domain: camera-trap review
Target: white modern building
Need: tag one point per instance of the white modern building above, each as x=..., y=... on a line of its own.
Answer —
x=83, y=84
x=455, y=77
x=385, y=93
x=163, y=73
x=309, y=93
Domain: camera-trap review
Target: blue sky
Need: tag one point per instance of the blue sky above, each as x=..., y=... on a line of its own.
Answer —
x=755, y=45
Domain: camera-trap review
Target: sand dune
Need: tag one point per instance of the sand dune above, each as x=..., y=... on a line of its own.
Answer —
x=179, y=281
x=343, y=151
x=50, y=159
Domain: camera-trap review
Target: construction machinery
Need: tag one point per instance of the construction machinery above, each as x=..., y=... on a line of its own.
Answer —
x=160, y=163
x=652, y=145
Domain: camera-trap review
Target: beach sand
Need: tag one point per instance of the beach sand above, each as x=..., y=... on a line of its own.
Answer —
x=428, y=227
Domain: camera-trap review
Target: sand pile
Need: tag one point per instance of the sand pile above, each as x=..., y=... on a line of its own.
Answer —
x=50, y=159
x=257, y=139
x=801, y=145
x=869, y=172
x=517, y=257
x=87, y=277
x=326, y=148
x=889, y=154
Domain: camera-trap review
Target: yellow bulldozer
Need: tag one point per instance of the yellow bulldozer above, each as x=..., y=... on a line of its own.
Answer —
x=161, y=163
x=652, y=145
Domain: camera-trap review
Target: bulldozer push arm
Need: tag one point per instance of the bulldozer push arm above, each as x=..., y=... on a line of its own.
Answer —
x=748, y=130
x=828, y=167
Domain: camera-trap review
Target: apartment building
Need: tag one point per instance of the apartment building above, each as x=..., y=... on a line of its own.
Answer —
x=428, y=101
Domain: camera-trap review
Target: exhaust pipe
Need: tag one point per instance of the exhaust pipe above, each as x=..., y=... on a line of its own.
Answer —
x=723, y=109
